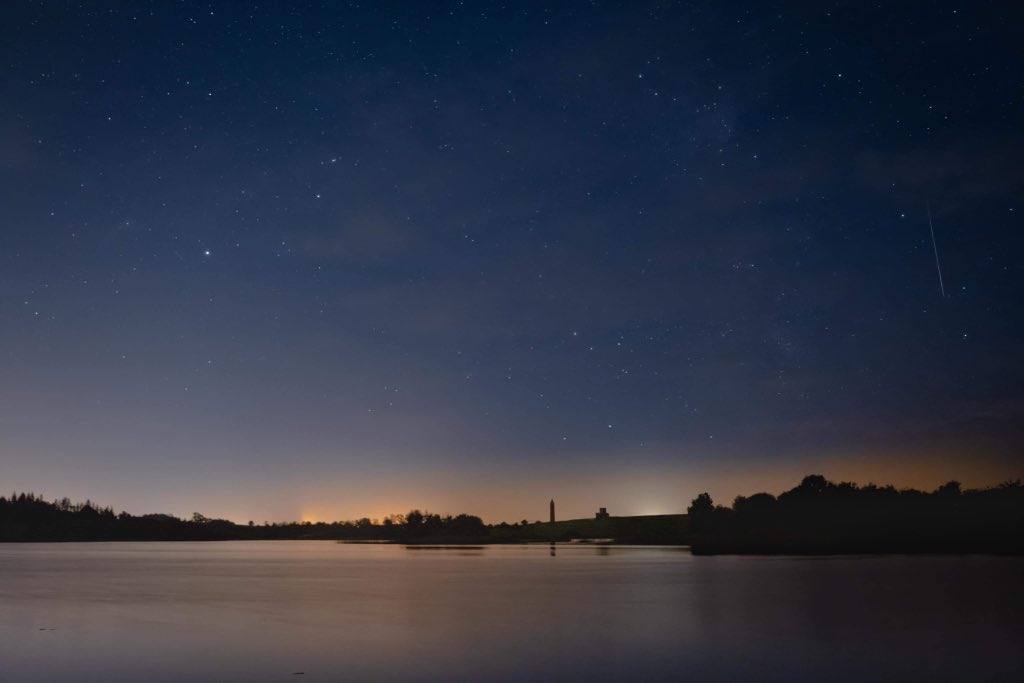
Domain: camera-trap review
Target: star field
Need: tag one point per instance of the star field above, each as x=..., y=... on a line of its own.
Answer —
x=261, y=256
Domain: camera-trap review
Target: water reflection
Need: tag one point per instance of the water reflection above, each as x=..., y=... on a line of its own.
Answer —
x=263, y=611
x=458, y=550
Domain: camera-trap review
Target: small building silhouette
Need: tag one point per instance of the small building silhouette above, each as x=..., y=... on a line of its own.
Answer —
x=602, y=514
x=552, y=509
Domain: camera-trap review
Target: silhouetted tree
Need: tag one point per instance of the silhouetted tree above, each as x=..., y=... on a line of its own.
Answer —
x=701, y=512
x=821, y=516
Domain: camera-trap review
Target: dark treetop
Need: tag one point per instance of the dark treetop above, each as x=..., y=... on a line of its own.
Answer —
x=819, y=516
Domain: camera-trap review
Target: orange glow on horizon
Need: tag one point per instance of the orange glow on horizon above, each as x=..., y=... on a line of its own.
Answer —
x=666, y=489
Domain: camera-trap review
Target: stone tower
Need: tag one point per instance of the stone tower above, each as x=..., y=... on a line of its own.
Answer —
x=552, y=509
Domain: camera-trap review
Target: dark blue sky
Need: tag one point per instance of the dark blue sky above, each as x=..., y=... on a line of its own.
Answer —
x=332, y=259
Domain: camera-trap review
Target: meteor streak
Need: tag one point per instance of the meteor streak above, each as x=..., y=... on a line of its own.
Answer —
x=935, y=247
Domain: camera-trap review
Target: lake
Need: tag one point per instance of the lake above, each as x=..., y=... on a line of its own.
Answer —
x=323, y=611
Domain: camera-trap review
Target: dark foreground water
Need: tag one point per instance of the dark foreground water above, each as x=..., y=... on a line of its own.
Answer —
x=265, y=611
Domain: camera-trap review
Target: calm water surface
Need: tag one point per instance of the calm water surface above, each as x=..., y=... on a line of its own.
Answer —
x=266, y=611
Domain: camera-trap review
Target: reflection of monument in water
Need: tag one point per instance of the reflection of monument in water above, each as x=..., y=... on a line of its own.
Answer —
x=552, y=510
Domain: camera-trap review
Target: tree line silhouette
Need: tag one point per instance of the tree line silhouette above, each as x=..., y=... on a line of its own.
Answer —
x=28, y=517
x=820, y=516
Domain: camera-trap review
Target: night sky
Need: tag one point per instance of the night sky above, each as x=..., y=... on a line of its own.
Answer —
x=321, y=260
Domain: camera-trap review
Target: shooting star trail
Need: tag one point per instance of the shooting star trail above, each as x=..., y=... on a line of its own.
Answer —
x=935, y=247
